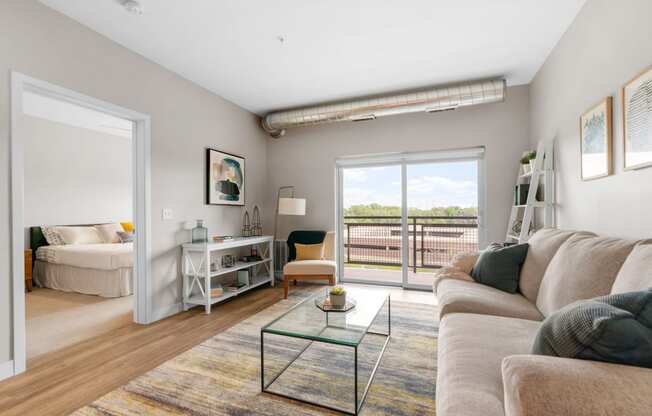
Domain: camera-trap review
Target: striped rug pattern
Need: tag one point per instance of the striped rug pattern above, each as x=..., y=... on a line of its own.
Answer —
x=222, y=375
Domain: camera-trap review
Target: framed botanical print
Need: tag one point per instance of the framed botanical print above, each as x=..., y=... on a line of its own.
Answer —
x=225, y=178
x=596, y=140
x=637, y=121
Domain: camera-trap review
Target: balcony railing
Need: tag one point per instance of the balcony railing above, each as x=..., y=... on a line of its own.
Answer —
x=432, y=241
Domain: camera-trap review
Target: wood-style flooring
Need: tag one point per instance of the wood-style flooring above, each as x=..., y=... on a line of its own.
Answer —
x=57, y=319
x=60, y=382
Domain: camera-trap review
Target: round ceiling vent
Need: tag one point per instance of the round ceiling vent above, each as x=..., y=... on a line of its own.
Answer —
x=133, y=7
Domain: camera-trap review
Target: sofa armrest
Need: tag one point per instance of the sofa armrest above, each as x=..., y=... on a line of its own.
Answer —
x=465, y=261
x=449, y=273
x=537, y=385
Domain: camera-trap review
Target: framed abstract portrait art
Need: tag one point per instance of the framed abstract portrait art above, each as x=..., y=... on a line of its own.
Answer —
x=225, y=178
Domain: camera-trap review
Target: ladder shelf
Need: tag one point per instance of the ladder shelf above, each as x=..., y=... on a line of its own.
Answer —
x=542, y=171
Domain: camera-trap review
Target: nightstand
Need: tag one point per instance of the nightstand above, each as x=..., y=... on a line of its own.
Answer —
x=28, y=270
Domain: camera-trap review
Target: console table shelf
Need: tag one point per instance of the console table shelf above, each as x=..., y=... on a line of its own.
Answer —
x=197, y=272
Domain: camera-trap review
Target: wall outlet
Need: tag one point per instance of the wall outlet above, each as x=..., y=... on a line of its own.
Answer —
x=167, y=214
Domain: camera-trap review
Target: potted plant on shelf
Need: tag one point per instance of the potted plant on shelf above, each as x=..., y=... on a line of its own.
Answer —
x=338, y=296
x=527, y=161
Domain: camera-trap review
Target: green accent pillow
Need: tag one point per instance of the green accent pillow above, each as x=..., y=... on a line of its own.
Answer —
x=615, y=328
x=500, y=266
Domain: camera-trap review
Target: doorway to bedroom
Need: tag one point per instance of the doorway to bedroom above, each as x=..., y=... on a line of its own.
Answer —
x=80, y=198
x=78, y=219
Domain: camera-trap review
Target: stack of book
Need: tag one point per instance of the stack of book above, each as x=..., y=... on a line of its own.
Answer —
x=235, y=287
x=217, y=292
x=222, y=238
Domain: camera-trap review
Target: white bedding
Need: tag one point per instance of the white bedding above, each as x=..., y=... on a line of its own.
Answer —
x=89, y=256
x=105, y=283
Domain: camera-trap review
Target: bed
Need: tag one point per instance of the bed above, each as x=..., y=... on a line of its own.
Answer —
x=93, y=269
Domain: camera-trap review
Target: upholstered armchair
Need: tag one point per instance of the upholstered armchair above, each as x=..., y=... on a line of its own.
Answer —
x=321, y=267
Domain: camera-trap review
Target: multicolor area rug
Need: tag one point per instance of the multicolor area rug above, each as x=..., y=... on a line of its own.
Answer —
x=222, y=375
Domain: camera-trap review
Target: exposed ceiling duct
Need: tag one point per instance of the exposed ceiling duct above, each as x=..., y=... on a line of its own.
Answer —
x=428, y=101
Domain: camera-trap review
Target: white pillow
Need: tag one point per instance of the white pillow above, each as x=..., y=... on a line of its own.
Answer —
x=52, y=236
x=109, y=232
x=80, y=235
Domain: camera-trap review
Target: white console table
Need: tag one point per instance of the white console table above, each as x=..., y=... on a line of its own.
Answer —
x=196, y=269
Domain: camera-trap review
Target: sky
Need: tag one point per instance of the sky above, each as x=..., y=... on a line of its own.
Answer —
x=428, y=185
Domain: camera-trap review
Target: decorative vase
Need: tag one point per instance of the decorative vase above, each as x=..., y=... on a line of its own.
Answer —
x=338, y=301
x=532, y=163
x=200, y=233
x=527, y=168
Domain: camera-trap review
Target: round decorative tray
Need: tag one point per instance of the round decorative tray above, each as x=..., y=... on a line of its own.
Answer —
x=323, y=303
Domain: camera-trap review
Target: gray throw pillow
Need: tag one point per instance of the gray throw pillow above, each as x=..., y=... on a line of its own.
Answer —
x=615, y=328
x=500, y=266
x=126, y=237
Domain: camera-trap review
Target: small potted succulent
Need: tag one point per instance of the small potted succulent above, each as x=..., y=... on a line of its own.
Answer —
x=338, y=296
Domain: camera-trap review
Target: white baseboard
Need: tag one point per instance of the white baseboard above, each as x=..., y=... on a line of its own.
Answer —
x=6, y=369
x=166, y=311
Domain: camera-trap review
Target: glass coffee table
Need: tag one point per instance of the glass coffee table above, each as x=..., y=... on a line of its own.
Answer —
x=307, y=347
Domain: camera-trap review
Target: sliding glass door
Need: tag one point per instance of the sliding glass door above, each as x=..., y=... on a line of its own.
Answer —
x=442, y=221
x=401, y=219
x=372, y=228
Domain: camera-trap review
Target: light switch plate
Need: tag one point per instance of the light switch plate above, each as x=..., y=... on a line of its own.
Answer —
x=167, y=214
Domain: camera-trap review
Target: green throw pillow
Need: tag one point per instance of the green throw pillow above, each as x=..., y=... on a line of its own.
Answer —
x=500, y=267
x=614, y=328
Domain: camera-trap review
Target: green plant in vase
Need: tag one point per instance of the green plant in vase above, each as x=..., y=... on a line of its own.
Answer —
x=338, y=296
x=526, y=160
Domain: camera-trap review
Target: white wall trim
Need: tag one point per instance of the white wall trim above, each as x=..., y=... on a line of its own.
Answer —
x=383, y=159
x=17, y=232
x=6, y=369
x=482, y=203
x=142, y=201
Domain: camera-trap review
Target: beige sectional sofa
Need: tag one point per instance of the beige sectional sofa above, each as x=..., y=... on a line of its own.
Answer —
x=485, y=365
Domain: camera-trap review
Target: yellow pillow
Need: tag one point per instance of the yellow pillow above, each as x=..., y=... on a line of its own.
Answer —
x=309, y=251
x=127, y=226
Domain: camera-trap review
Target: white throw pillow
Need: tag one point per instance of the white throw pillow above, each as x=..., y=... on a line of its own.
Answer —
x=109, y=232
x=52, y=236
x=80, y=235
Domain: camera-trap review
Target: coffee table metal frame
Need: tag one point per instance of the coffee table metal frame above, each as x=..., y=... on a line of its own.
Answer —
x=357, y=405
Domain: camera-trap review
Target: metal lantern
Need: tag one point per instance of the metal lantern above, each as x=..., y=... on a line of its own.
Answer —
x=246, y=225
x=256, y=226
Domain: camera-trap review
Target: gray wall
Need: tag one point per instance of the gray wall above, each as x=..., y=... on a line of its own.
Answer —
x=185, y=119
x=75, y=175
x=607, y=45
x=306, y=157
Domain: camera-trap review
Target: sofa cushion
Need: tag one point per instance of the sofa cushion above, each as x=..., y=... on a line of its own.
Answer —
x=614, y=328
x=310, y=267
x=584, y=267
x=464, y=261
x=537, y=385
x=543, y=246
x=455, y=295
x=636, y=273
x=470, y=351
x=499, y=266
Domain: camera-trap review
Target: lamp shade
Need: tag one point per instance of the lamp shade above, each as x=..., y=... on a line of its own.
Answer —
x=292, y=206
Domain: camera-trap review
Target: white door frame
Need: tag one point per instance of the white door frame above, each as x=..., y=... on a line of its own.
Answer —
x=141, y=160
x=404, y=160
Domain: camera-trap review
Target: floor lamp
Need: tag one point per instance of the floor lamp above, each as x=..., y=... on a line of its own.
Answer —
x=288, y=206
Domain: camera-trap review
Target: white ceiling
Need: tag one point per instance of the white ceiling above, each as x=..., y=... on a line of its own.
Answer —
x=332, y=49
